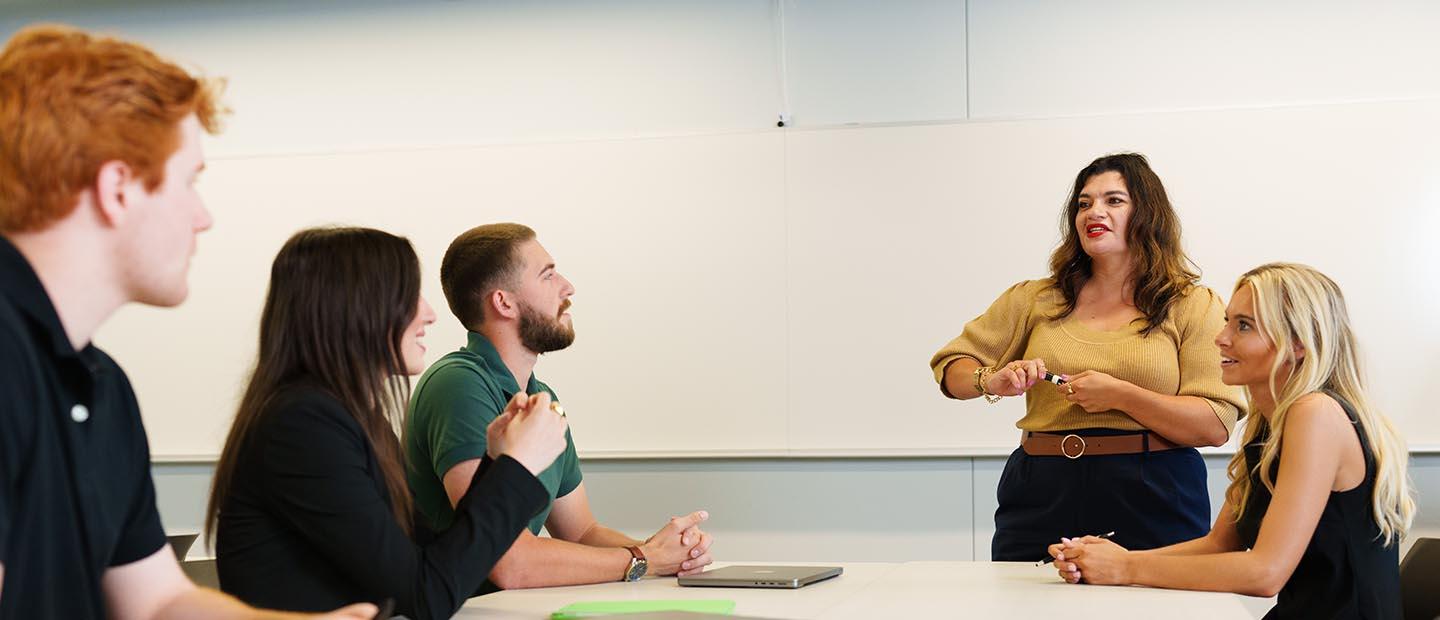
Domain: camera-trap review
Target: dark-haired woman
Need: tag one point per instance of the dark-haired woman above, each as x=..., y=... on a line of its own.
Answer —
x=1123, y=321
x=310, y=506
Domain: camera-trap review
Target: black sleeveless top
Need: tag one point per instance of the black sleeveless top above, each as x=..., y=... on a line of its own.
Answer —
x=1346, y=571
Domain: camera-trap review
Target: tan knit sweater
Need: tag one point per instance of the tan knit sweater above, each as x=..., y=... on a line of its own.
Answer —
x=1178, y=358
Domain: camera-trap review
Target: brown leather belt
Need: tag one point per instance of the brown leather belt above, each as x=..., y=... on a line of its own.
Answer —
x=1075, y=446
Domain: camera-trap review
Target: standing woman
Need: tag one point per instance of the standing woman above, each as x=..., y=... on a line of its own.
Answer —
x=310, y=504
x=1123, y=318
x=1319, y=496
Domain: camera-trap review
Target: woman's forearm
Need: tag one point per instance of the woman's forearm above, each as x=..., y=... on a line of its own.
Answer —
x=960, y=378
x=1185, y=420
x=1196, y=546
x=1242, y=572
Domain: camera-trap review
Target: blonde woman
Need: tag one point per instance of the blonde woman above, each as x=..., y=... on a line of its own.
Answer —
x=1319, y=496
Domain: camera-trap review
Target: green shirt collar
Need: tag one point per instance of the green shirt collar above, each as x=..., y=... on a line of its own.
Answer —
x=478, y=344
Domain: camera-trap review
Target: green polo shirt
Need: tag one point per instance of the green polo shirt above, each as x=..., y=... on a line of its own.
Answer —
x=449, y=409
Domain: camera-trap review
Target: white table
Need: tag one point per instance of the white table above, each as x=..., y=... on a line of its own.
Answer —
x=911, y=589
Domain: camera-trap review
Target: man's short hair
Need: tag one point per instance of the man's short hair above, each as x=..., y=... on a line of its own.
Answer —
x=71, y=101
x=477, y=262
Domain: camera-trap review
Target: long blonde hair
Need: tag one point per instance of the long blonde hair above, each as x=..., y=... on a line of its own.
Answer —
x=1297, y=306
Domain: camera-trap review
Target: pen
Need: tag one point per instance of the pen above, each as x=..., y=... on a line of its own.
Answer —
x=1054, y=378
x=1052, y=559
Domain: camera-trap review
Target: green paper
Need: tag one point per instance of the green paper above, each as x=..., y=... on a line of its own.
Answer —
x=594, y=609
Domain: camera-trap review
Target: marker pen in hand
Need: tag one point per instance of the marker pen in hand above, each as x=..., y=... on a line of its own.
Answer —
x=1052, y=558
x=1054, y=378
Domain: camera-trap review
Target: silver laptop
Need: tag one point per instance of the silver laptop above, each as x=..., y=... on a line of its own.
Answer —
x=762, y=576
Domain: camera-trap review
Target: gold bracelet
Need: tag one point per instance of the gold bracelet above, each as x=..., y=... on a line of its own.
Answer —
x=981, y=375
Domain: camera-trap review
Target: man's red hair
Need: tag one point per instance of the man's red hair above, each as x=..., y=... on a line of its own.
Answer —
x=70, y=101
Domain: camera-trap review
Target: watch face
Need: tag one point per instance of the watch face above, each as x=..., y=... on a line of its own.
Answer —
x=637, y=569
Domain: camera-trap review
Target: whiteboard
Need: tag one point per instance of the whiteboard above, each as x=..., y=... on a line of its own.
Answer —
x=901, y=235
x=781, y=292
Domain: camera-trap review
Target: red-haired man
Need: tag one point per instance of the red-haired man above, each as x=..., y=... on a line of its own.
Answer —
x=99, y=151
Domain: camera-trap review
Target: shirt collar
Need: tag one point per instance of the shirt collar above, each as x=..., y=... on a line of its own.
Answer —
x=22, y=287
x=478, y=344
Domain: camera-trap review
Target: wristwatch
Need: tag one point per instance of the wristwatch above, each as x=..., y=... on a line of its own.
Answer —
x=638, y=565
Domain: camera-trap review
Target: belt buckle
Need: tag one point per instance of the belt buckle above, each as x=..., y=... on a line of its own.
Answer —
x=1066, y=453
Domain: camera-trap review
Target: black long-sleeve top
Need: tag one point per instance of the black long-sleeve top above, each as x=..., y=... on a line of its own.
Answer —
x=308, y=523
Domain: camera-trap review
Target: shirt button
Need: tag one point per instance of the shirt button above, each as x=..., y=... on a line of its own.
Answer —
x=79, y=413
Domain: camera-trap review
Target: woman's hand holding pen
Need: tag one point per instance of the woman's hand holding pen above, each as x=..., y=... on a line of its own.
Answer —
x=1096, y=391
x=1014, y=378
x=1093, y=559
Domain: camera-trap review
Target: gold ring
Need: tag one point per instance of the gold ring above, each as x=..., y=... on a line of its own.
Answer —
x=554, y=406
x=1070, y=389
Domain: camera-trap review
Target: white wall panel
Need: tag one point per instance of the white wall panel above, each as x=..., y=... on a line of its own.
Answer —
x=855, y=61
x=1055, y=58
x=316, y=76
x=880, y=510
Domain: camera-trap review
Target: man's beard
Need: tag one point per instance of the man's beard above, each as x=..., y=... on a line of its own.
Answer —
x=543, y=334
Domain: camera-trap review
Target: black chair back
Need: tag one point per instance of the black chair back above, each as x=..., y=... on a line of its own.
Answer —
x=180, y=544
x=1420, y=580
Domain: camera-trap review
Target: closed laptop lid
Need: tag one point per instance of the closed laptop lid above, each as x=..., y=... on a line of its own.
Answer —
x=755, y=576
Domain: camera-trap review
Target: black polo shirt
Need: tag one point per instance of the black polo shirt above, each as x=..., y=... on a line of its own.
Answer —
x=75, y=491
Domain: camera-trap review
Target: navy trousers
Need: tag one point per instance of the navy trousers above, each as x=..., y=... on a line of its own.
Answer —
x=1149, y=500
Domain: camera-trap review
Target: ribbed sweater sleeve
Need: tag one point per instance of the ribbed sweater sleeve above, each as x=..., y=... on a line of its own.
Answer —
x=997, y=336
x=1200, y=316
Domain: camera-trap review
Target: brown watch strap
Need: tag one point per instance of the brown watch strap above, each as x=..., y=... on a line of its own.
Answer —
x=636, y=557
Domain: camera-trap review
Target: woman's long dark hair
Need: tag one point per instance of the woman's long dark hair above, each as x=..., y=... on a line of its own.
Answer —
x=339, y=302
x=1162, y=272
